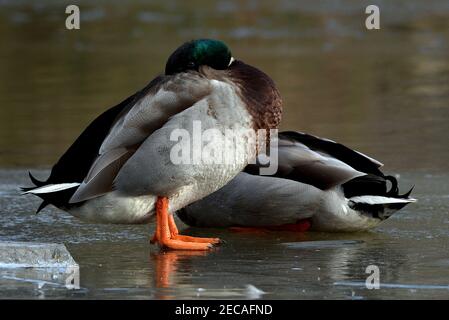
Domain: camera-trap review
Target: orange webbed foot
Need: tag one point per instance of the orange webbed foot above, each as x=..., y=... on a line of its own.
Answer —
x=167, y=234
x=212, y=241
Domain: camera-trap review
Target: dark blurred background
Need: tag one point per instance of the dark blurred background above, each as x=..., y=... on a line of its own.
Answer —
x=384, y=92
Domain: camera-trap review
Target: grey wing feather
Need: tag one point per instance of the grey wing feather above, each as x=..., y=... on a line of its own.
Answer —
x=102, y=181
x=329, y=148
x=302, y=164
x=171, y=95
x=319, y=162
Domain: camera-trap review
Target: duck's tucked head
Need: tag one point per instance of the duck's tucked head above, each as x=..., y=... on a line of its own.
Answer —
x=193, y=54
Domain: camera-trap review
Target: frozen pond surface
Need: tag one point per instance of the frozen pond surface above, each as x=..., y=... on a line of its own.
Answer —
x=384, y=93
x=410, y=249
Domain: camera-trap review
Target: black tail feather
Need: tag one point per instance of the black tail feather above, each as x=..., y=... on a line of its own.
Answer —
x=405, y=195
x=42, y=206
x=37, y=184
x=394, y=190
x=374, y=185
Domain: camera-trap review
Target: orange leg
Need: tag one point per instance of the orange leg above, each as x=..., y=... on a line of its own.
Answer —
x=167, y=232
x=157, y=233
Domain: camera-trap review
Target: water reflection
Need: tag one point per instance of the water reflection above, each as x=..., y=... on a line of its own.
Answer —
x=166, y=269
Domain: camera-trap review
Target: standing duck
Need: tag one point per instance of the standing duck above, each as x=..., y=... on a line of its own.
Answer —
x=319, y=184
x=121, y=168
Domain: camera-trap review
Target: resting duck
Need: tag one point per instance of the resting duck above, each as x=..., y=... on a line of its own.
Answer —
x=120, y=169
x=319, y=184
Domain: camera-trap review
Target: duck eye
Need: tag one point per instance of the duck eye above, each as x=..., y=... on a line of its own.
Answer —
x=191, y=65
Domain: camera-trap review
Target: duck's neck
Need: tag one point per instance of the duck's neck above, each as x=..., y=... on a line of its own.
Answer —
x=260, y=95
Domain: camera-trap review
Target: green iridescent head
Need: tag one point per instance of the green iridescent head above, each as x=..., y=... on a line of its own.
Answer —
x=195, y=53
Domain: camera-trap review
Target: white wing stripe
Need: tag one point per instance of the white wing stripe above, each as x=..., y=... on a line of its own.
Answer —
x=53, y=188
x=380, y=200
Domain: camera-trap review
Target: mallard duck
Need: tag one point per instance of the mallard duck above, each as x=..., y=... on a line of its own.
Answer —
x=320, y=184
x=120, y=169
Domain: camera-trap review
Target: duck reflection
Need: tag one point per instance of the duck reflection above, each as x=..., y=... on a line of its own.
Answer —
x=166, y=265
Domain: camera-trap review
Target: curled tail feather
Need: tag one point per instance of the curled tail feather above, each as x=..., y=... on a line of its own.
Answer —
x=47, y=191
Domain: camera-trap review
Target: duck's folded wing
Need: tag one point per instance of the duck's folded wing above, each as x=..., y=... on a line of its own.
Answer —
x=319, y=162
x=330, y=148
x=302, y=164
x=170, y=95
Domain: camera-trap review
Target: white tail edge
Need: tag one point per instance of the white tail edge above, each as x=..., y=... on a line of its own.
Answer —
x=380, y=200
x=53, y=188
